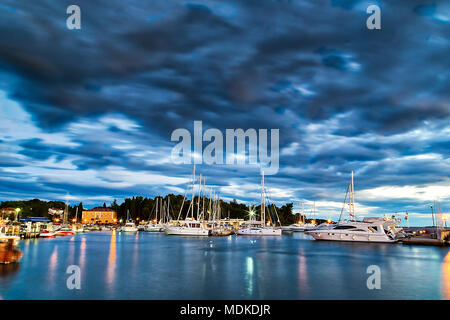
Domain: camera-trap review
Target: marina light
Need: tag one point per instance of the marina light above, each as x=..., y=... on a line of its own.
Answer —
x=17, y=210
x=121, y=220
x=74, y=220
x=329, y=221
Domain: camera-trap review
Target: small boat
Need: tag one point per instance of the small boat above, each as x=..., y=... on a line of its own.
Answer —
x=129, y=226
x=155, y=225
x=47, y=234
x=188, y=228
x=64, y=233
x=47, y=231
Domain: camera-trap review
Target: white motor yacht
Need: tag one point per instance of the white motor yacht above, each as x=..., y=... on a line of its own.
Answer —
x=367, y=230
x=129, y=225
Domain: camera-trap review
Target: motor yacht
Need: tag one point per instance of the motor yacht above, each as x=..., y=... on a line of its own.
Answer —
x=371, y=229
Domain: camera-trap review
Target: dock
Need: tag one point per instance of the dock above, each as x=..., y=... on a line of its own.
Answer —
x=429, y=238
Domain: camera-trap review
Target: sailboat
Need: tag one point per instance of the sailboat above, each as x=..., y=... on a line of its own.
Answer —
x=189, y=226
x=218, y=226
x=259, y=228
x=301, y=226
x=77, y=227
x=65, y=229
x=371, y=229
x=129, y=225
x=155, y=225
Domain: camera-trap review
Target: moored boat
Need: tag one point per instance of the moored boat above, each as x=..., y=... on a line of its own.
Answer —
x=259, y=228
x=366, y=230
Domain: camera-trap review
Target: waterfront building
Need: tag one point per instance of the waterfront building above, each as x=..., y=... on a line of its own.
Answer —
x=99, y=215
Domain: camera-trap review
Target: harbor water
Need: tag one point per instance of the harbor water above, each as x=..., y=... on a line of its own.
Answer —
x=114, y=265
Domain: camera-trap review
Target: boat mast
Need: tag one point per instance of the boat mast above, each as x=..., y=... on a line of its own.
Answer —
x=314, y=205
x=156, y=217
x=203, y=206
x=199, y=192
x=303, y=212
x=353, y=200
x=263, y=211
x=193, y=193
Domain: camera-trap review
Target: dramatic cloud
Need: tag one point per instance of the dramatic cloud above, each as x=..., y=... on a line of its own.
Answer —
x=90, y=112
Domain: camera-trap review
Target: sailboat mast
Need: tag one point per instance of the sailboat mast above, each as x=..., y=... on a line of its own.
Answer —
x=157, y=203
x=203, y=205
x=314, y=210
x=199, y=192
x=193, y=192
x=353, y=198
x=303, y=212
x=263, y=210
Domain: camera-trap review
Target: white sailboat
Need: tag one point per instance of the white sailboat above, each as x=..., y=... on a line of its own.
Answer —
x=302, y=225
x=129, y=225
x=367, y=230
x=189, y=226
x=155, y=225
x=259, y=228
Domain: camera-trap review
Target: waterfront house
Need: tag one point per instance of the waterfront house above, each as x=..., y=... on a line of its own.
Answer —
x=99, y=215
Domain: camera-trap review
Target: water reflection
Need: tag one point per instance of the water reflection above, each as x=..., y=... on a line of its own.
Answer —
x=302, y=271
x=52, y=265
x=249, y=275
x=110, y=271
x=82, y=258
x=9, y=269
x=446, y=277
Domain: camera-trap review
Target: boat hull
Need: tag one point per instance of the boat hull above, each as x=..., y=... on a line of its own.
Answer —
x=350, y=237
x=47, y=235
x=183, y=231
x=154, y=229
x=259, y=232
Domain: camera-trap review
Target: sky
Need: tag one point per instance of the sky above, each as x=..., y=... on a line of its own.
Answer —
x=87, y=115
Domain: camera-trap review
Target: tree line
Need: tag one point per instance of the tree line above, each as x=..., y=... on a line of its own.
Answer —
x=143, y=208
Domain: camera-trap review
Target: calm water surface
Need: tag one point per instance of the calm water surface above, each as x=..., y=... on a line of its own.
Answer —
x=156, y=266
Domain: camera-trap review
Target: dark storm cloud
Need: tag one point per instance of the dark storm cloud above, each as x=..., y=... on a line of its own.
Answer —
x=292, y=65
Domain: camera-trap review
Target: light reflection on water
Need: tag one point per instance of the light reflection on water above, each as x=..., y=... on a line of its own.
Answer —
x=154, y=266
x=446, y=277
x=111, y=266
